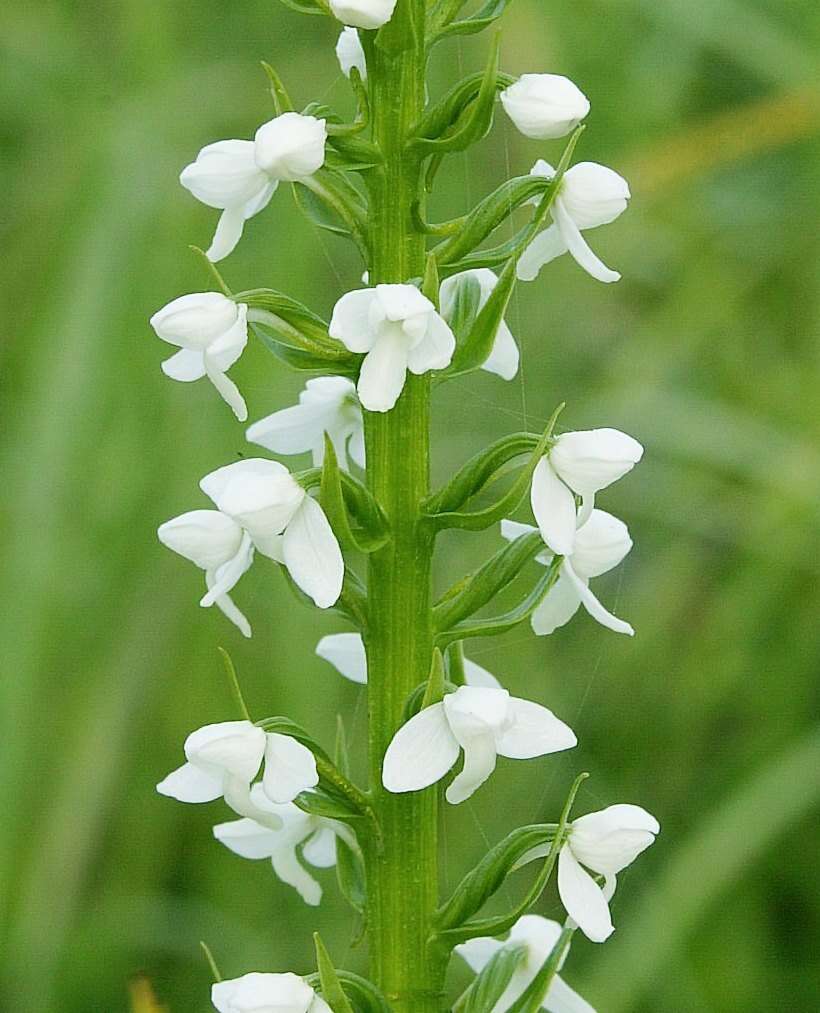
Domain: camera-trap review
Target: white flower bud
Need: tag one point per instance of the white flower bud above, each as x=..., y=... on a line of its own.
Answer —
x=590, y=460
x=545, y=106
x=363, y=13
x=609, y=840
x=263, y=993
x=291, y=146
x=350, y=54
x=593, y=194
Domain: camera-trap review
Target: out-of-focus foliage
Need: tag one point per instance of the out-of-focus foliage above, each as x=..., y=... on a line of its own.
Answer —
x=707, y=351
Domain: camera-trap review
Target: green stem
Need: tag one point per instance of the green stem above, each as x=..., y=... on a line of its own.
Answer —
x=402, y=871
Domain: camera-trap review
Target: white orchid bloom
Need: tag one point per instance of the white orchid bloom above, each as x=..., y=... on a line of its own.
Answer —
x=579, y=463
x=315, y=836
x=539, y=936
x=485, y=723
x=345, y=651
x=504, y=358
x=267, y=993
x=545, y=106
x=363, y=13
x=350, y=54
x=283, y=523
x=589, y=195
x=328, y=404
x=397, y=328
x=211, y=332
x=223, y=759
x=600, y=545
x=605, y=842
x=240, y=177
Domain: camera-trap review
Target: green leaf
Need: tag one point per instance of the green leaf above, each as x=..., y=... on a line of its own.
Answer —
x=331, y=202
x=364, y=995
x=435, y=682
x=430, y=285
x=491, y=983
x=475, y=349
x=331, y=986
x=294, y=325
x=350, y=875
x=281, y=99
x=341, y=495
x=307, y=6
x=284, y=726
x=532, y=999
x=340, y=753
x=329, y=805
x=477, y=22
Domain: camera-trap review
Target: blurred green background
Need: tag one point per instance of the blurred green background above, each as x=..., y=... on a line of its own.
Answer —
x=707, y=351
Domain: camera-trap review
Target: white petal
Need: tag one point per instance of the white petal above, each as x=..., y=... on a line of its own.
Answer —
x=247, y=838
x=225, y=577
x=356, y=446
x=224, y=350
x=600, y=545
x=546, y=246
x=583, y=898
x=290, y=768
x=227, y=389
x=514, y=529
x=560, y=604
x=363, y=13
x=475, y=675
x=382, y=374
x=435, y=350
x=294, y=430
x=478, y=952
x=612, y=839
x=319, y=1006
x=350, y=53
x=312, y=554
x=578, y=247
x=554, y=507
x=291, y=871
x=421, y=752
x=345, y=651
x=188, y=364
x=207, y=538
x=350, y=322
x=504, y=358
x=189, y=783
x=479, y=763
x=562, y=999
x=534, y=731
x=591, y=460
x=228, y=233
x=226, y=606
x=235, y=747
x=320, y=848
x=403, y=302
x=593, y=606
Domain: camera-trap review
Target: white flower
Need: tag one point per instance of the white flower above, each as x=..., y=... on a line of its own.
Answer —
x=328, y=404
x=600, y=545
x=539, y=936
x=267, y=993
x=211, y=332
x=363, y=13
x=345, y=651
x=545, y=106
x=398, y=329
x=589, y=195
x=485, y=723
x=314, y=835
x=240, y=177
x=580, y=462
x=283, y=523
x=605, y=842
x=503, y=359
x=223, y=759
x=350, y=53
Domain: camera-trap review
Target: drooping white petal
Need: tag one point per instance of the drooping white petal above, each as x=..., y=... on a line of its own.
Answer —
x=514, y=529
x=382, y=374
x=293, y=430
x=227, y=234
x=578, y=247
x=435, y=350
x=504, y=358
x=187, y=364
x=290, y=870
x=350, y=54
x=247, y=838
x=290, y=768
x=560, y=998
x=312, y=554
x=320, y=848
x=345, y=651
x=582, y=898
x=228, y=390
x=226, y=606
x=227, y=347
x=225, y=577
x=593, y=606
x=546, y=247
x=560, y=604
x=600, y=545
x=554, y=507
x=533, y=731
x=350, y=322
x=479, y=762
x=476, y=717
x=207, y=538
x=190, y=783
x=475, y=675
x=478, y=952
x=403, y=302
x=421, y=752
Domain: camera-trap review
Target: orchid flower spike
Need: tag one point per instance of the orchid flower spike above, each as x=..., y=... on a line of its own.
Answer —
x=345, y=651
x=539, y=937
x=240, y=177
x=328, y=404
x=315, y=836
x=589, y=195
x=579, y=463
x=545, y=106
x=397, y=328
x=504, y=358
x=211, y=332
x=223, y=759
x=600, y=545
x=350, y=54
x=363, y=13
x=605, y=842
x=266, y=993
x=282, y=522
x=485, y=723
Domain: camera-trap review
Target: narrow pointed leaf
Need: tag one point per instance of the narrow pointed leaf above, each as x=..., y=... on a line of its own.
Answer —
x=363, y=994
x=532, y=999
x=350, y=875
x=485, y=16
x=332, y=991
x=492, y=981
x=475, y=349
x=281, y=99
